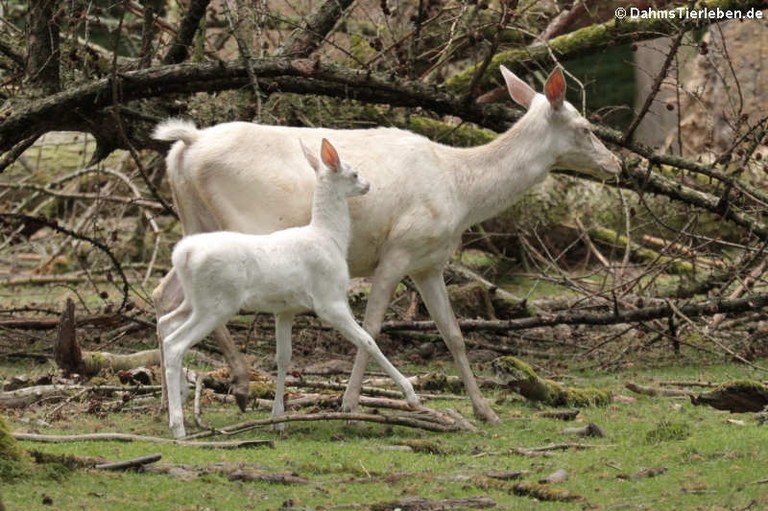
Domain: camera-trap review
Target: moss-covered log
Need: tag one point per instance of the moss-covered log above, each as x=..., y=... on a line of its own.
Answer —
x=520, y=377
x=736, y=396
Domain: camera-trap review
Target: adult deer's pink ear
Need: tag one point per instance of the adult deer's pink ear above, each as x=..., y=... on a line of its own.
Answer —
x=521, y=92
x=329, y=156
x=554, y=89
x=310, y=156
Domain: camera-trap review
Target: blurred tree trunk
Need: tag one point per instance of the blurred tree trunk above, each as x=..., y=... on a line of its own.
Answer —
x=43, y=54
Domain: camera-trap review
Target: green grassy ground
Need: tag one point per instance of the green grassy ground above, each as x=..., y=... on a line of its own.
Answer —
x=712, y=464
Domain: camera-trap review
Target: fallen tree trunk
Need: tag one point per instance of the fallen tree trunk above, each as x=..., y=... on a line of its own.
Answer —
x=24, y=397
x=568, y=317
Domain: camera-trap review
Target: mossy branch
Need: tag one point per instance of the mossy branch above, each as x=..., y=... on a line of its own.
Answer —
x=590, y=40
x=521, y=378
x=611, y=237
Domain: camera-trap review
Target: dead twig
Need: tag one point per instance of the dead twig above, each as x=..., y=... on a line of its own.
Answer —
x=423, y=504
x=67, y=232
x=126, y=437
x=130, y=464
x=428, y=420
x=547, y=450
x=671, y=54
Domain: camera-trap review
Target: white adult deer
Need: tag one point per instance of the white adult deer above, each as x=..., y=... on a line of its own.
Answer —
x=247, y=177
x=285, y=272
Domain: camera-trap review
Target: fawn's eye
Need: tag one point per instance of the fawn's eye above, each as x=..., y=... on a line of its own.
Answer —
x=354, y=175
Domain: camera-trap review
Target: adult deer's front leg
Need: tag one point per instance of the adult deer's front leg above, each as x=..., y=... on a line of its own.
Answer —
x=432, y=289
x=388, y=273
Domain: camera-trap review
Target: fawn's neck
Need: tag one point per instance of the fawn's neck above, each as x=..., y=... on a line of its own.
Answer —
x=330, y=212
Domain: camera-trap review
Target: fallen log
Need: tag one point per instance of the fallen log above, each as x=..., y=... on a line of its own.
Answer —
x=127, y=437
x=736, y=396
x=521, y=378
x=543, y=492
x=547, y=450
x=422, y=504
x=571, y=317
x=647, y=390
x=20, y=398
x=130, y=464
x=590, y=429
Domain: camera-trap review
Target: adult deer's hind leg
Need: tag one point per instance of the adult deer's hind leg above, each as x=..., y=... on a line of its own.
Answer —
x=240, y=378
x=431, y=286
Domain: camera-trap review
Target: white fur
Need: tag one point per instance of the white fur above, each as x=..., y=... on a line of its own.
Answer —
x=286, y=272
x=249, y=178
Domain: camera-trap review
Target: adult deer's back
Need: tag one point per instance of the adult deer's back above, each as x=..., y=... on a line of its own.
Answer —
x=246, y=177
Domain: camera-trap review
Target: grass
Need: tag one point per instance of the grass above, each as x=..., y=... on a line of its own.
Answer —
x=715, y=465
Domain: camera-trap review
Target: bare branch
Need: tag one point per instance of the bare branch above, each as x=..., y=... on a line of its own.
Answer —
x=319, y=24
x=189, y=25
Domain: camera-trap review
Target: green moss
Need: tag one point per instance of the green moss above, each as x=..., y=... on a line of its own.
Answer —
x=666, y=431
x=513, y=369
x=521, y=377
x=586, y=396
x=585, y=40
x=454, y=135
x=261, y=390
x=609, y=236
x=440, y=382
x=14, y=461
x=477, y=259
x=743, y=386
x=424, y=446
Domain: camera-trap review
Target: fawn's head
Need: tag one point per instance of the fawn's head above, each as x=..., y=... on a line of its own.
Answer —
x=343, y=177
x=572, y=142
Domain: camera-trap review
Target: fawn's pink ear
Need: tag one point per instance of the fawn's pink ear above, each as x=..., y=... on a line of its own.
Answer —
x=329, y=156
x=554, y=89
x=310, y=156
x=520, y=91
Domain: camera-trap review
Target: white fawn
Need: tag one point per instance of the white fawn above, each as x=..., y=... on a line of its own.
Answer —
x=247, y=177
x=285, y=273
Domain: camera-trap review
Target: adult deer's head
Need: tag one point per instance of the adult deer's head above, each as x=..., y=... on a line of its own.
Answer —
x=569, y=134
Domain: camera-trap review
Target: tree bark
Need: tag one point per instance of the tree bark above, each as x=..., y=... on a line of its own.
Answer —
x=319, y=24
x=43, y=46
x=189, y=25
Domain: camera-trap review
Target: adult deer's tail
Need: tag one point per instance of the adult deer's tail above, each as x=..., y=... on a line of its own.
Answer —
x=177, y=129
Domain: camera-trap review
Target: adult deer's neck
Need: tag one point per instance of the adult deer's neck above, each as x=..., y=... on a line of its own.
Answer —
x=491, y=177
x=330, y=212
